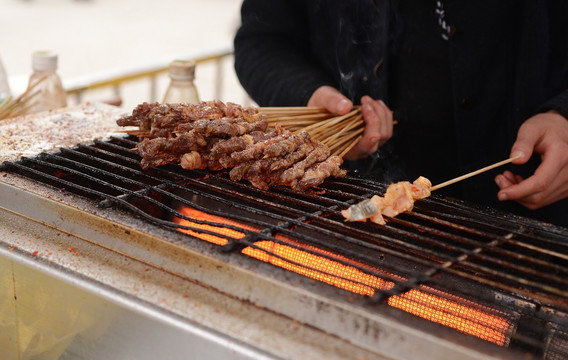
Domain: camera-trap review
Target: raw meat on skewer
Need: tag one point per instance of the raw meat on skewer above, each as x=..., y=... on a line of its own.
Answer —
x=399, y=198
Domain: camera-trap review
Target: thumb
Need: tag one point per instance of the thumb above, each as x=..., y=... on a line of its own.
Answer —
x=331, y=99
x=341, y=105
x=337, y=103
x=524, y=145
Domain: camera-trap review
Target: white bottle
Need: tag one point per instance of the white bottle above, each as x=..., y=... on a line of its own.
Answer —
x=181, y=88
x=4, y=85
x=48, y=86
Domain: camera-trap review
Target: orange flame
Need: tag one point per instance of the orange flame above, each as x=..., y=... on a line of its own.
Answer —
x=327, y=269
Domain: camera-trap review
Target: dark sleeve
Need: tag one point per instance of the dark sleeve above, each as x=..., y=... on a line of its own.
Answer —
x=558, y=57
x=273, y=54
x=558, y=103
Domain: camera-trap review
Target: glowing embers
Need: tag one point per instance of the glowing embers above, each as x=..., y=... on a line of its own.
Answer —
x=346, y=274
x=203, y=216
x=317, y=267
x=454, y=314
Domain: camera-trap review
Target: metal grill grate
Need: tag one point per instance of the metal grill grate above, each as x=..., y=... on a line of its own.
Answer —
x=476, y=270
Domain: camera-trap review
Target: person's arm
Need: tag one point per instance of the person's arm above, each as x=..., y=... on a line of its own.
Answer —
x=272, y=53
x=274, y=63
x=545, y=134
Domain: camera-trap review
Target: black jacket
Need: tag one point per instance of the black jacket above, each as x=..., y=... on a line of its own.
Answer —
x=506, y=61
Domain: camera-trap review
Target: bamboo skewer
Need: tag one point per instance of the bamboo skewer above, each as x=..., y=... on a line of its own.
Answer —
x=346, y=150
x=336, y=135
x=295, y=118
x=11, y=108
x=293, y=109
x=339, y=132
x=473, y=173
x=347, y=144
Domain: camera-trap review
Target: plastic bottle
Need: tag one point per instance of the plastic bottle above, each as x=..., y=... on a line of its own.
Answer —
x=181, y=88
x=4, y=85
x=51, y=94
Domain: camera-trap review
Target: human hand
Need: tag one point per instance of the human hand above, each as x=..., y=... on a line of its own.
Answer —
x=547, y=135
x=377, y=116
x=331, y=99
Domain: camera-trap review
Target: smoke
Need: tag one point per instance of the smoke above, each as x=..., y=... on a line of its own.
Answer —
x=363, y=40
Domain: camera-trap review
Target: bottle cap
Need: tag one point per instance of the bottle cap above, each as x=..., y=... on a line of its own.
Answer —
x=182, y=70
x=44, y=60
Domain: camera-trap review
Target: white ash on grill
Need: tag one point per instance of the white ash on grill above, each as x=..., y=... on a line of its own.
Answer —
x=215, y=135
x=30, y=135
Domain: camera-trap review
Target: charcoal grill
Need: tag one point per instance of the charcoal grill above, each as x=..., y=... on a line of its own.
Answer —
x=448, y=280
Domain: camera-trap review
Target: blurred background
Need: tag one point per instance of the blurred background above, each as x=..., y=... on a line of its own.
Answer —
x=106, y=42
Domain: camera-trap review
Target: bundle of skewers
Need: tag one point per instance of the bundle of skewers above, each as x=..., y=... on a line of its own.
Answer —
x=338, y=132
x=11, y=107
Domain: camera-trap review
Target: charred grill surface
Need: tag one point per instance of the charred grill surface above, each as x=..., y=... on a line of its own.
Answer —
x=506, y=266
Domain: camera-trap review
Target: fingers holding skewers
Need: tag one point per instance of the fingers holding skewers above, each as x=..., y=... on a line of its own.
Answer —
x=351, y=132
x=378, y=124
x=378, y=119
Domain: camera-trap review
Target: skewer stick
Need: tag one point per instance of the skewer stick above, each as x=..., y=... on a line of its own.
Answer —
x=13, y=107
x=298, y=117
x=346, y=150
x=292, y=110
x=473, y=173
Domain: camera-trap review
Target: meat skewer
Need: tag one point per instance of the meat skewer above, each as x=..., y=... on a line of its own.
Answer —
x=400, y=197
x=215, y=136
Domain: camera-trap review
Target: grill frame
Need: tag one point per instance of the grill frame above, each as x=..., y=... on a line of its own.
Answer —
x=508, y=224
